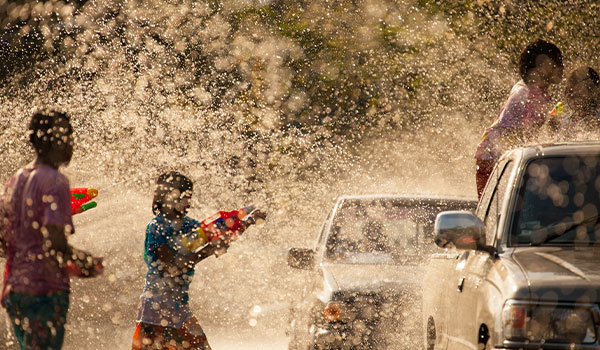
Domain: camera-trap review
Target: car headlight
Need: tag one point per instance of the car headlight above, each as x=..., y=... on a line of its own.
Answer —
x=549, y=323
x=333, y=311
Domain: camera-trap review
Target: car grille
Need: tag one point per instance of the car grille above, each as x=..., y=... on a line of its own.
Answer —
x=386, y=319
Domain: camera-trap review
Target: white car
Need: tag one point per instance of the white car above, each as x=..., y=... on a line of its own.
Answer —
x=365, y=287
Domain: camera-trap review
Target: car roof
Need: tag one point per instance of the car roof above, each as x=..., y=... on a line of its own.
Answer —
x=407, y=197
x=559, y=149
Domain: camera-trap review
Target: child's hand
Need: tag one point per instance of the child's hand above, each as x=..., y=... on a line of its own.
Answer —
x=85, y=266
x=217, y=247
x=256, y=215
x=259, y=215
x=99, y=265
x=220, y=247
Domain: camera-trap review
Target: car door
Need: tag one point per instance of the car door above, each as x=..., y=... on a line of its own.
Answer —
x=472, y=266
x=437, y=308
x=300, y=311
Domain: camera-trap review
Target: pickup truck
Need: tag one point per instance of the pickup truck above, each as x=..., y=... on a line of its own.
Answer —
x=524, y=271
x=363, y=276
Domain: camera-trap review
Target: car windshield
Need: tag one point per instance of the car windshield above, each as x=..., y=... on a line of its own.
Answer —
x=559, y=202
x=380, y=231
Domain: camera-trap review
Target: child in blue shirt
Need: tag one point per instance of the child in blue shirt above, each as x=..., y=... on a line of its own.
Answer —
x=164, y=318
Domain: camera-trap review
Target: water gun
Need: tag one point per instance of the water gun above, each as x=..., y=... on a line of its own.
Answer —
x=223, y=225
x=558, y=110
x=555, y=116
x=80, y=198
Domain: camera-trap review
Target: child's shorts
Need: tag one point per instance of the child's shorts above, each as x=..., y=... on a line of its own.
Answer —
x=190, y=336
x=38, y=321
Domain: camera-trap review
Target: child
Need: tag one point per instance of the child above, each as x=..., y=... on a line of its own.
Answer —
x=523, y=113
x=164, y=317
x=582, y=95
x=35, y=217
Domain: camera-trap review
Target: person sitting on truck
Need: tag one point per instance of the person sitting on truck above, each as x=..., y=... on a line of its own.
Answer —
x=524, y=112
x=582, y=96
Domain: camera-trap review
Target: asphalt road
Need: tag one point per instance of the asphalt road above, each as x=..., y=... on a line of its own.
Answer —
x=241, y=299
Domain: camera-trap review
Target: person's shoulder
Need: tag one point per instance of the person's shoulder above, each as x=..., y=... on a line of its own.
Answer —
x=519, y=90
x=42, y=178
x=517, y=100
x=157, y=226
x=46, y=170
x=11, y=183
x=15, y=177
x=190, y=221
x=22, y=173
x=157, y=221
x=50, y=175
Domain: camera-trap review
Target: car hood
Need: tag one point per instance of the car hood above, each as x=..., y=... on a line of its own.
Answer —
x=340, y=277
x=561, y=273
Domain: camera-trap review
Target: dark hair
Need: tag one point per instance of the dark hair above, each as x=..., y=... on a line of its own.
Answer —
x=535, y=49
x=41, y=126
x=172, y=180
x=581, y=74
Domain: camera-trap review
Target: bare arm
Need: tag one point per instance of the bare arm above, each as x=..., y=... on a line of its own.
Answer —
x=2, y=242
x=3, y=227
x=173, y=265
x=56, y=245
x=55, y=241
x=252, y=219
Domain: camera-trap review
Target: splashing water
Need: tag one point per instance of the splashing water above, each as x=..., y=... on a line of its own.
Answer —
x=257, y=101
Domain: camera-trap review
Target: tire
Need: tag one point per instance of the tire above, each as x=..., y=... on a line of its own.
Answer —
x=430, y=335
x=483, y=340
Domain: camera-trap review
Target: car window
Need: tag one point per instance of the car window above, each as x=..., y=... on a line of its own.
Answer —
x=378, y=231
x=492, y=216
x=558, y=202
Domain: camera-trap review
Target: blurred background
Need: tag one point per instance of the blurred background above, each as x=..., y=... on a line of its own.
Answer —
x=284, y=103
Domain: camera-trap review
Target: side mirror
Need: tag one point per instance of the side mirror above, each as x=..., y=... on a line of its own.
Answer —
x=301, y=258
x=460, y=229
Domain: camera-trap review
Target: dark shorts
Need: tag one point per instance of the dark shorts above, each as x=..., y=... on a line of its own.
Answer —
x=38, y=321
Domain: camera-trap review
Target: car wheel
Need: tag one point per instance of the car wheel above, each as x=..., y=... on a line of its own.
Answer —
x=430, y=334
x=483, y=337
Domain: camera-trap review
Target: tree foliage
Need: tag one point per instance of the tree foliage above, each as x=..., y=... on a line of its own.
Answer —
x=277, y=78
